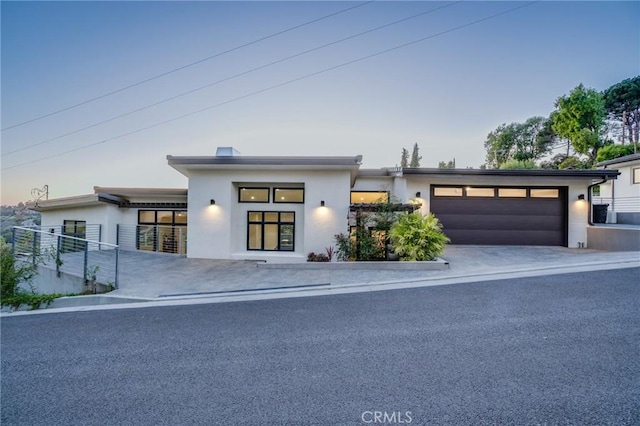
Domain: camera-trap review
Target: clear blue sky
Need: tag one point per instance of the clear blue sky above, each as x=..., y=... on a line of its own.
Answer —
x=446, y=93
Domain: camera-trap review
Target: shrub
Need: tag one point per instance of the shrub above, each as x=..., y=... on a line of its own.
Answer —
x=320, y=257
x=13, y=273
x=416, y=237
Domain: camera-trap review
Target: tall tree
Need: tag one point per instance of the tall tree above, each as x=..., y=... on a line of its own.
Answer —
x=622, y=102
x=527, y=141
x=404, y=158
x=415, y=157
x=580, y=117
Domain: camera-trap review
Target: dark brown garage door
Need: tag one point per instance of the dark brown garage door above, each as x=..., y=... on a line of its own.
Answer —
x=502, y=215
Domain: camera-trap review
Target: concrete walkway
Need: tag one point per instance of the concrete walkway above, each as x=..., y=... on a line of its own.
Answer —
x=155, y=278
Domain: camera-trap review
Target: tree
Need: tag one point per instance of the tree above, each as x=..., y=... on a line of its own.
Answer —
x=451, y=164
x=580, y=117
x=404, y=158
x=522, y=142
x=415, y=157
x=610, y=152
x=622, y=103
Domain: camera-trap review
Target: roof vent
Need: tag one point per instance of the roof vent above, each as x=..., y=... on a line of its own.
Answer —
x=227, y=151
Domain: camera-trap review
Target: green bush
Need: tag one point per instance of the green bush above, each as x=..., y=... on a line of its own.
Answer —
x=13, y=273
x=418, y=238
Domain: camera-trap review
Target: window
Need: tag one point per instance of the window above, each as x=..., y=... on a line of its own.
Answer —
x=544, y=193
x=636, y=175
x=76, y=229
x=270, y=231
x=512, y=193
x=288, y=195
x=442, y=191
x=480, y=192
x=162, y=230
x=369, y=197
x=253, y=195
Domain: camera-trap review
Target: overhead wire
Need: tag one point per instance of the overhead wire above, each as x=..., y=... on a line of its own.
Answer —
x=199, y=61
x=165, y=100
x=344, y=64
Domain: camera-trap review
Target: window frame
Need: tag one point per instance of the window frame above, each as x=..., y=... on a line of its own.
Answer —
x=276, y=201
x=387, y=193
x=635, y=170
x=279, y=222
x=264, y=188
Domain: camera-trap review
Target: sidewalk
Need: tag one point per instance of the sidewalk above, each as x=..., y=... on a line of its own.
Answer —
x=149, y=279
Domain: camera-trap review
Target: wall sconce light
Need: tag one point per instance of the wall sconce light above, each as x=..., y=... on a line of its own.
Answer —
x=418, y=194
x=322, y=203
x=213, y=202
x=581, y=197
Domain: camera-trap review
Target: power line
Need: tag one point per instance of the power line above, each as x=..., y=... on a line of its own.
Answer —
x=199, y=61
x=227, y=79
x=344, y=64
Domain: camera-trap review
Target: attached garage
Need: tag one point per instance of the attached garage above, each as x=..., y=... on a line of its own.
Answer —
x=508, y=207
x=501, y=215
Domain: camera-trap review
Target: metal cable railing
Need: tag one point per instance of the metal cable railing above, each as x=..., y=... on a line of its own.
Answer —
x=92, y=260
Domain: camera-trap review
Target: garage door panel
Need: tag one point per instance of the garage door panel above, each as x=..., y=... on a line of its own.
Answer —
x=498, y=206
x=503, y=221
x=505, y=237
x=497, y=222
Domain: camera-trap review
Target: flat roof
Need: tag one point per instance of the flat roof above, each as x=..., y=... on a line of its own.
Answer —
x=145, y=192
x=264, y=161
x=594, y=174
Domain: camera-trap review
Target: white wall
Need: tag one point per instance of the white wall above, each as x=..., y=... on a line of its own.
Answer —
x=220, y=231
x=107, y=215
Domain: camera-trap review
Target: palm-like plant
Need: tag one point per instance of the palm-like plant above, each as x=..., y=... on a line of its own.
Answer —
x=418, y=238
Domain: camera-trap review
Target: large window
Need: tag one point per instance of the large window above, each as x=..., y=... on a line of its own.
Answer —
x=270, y=231
x=162, y=230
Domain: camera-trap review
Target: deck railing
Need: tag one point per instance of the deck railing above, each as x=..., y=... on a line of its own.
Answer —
x=92, y=260
x=619, y=204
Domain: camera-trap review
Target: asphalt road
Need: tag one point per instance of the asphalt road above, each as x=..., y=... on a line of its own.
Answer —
x=559, y=349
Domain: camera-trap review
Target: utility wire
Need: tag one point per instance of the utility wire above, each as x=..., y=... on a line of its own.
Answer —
x=344, y=64
x=295, y=27
x=227, y=79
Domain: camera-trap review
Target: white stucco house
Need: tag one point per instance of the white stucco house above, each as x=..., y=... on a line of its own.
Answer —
x=278, y=209
x=622, y=195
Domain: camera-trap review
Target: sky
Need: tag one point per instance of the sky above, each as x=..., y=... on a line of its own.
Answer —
x=443, y=77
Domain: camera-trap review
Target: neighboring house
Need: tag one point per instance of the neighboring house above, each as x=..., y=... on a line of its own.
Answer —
x=278, y=209
x=623, y=194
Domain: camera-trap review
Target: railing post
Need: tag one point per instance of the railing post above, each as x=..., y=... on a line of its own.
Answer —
x=34, y=248
x=156, y=246
x=13, y=240
x=58, y=262
x=99, y=236
x=86, y=260
x=116, y=282
x=118, y=234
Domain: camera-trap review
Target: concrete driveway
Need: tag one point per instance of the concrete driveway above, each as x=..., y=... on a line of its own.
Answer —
x=157, y=275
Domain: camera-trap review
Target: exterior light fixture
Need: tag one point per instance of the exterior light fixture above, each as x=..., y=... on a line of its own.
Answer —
x=322, y=203
x=581, y=197
x=418, y=194
x=213, y=202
